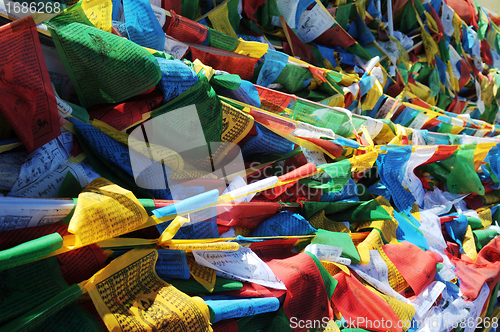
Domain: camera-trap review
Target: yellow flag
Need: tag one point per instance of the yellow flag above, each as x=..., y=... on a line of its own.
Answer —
x=372, y=96
x=480, y=153
x=488, y=90
x=251, y=48
x=363, y=162
x=334, y=268
x=431, y=23
x=469, y=244
x=204, y=275
x=457, y=25
x=430, y=46
x=105, y=210
x=486, y=218
x=337, y=100
x=421, y=92
x=372, y=242
x=403, y=54
x=220, y=20
x=129, y=296
x=172, y=229
x=99, y=13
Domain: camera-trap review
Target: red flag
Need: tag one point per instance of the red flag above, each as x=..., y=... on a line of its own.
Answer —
x=255, y=290
x=465, y=9
x=185, y=30
x=418, y=267
x=362, y=307
x=486, y=268
x=334, y=149
x=440, y=26
x=250, y=8
x=456, y=106
x=126, y=114
x=442, y=152
x=226, y=325
x=293, y=46
x=306, y=297
x=274, y=249
x=174, y=5
x=28, y=100
x=335, y=36
x=241, y=65
x=246, y=215
x=272, y=100
x=486, y=52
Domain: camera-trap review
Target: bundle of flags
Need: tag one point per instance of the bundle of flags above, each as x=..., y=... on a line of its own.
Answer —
x=271, y=165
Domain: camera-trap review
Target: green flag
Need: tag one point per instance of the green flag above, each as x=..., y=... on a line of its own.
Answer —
x=482, y=24
x=103, y=67
x=434, y=84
